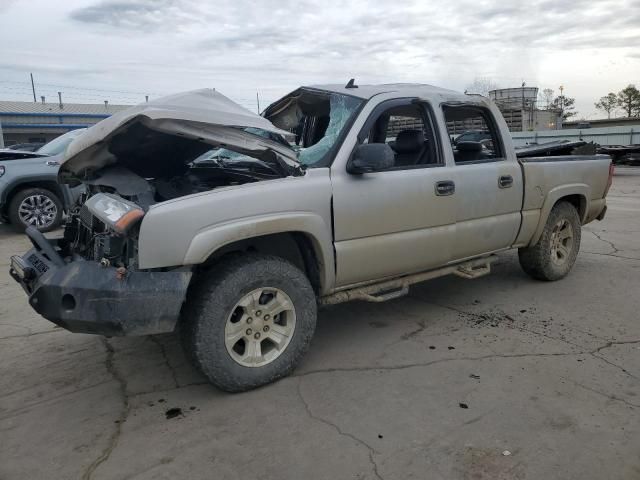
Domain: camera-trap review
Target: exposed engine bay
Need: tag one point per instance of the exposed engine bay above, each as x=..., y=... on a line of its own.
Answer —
x=94, y=238
x=182, y=145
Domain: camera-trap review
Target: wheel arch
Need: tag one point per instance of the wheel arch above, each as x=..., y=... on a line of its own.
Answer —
x=300, y=237
x=576, y=194
x=299, y=248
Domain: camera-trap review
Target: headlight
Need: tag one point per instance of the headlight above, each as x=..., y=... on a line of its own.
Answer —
x=117, y=213
x=1, y=170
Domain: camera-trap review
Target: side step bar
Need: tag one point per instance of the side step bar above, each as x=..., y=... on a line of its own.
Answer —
x=399, y=287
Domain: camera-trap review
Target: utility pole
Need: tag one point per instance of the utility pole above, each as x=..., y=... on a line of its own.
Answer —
x=258, y=100
x=33, y=89
x=523, y=107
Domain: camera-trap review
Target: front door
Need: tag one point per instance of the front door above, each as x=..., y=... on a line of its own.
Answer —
x=399, y=220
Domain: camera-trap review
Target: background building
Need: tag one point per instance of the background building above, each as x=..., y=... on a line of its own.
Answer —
x=27, y=122
x=520, y=111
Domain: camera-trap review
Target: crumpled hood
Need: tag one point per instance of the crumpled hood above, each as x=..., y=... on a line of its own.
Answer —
x=163, y=130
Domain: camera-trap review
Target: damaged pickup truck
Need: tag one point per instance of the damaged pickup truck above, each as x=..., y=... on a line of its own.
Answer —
x=231, y=228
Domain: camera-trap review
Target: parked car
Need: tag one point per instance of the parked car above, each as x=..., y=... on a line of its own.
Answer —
x=26, y=147
x=9, y=154
x=238, y=257
x=29, y=191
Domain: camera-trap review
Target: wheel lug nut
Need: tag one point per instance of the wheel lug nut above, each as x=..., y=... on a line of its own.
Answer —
x=258, y=313
x=249, y=320
x=267, y=317
x=265, y=328
x=249, y=331
x=257, y=335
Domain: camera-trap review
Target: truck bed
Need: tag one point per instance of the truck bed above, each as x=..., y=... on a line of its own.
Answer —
x=547, y=178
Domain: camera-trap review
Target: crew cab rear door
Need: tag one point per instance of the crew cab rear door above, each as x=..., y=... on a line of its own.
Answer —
x=488, y=181
x=399, y=220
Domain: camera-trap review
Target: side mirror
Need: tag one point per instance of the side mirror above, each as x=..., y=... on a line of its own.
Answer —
x=371, y=157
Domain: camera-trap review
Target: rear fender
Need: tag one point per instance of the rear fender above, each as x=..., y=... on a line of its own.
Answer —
x=554, y=196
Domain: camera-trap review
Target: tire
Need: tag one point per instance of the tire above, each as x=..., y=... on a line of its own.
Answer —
x=219, y=335
x=555, y=253
x=47, y=209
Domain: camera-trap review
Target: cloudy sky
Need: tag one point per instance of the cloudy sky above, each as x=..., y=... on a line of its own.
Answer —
x=119, y=50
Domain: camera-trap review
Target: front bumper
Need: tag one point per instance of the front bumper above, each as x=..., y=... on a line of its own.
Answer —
x=85, y=297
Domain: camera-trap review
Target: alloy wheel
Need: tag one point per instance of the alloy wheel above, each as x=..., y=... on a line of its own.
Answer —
x=260, y=327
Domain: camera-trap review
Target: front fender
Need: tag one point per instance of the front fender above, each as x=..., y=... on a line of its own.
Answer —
x=188, y=230
x=208, y=241
x=581, y=189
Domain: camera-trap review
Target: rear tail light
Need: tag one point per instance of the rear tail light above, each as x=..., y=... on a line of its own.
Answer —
x=610, y=180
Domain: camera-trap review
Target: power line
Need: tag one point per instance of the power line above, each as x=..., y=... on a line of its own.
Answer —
x=72, y=87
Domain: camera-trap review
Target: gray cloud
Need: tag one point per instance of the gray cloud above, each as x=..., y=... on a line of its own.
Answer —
x=238, y=45
x=130, y=14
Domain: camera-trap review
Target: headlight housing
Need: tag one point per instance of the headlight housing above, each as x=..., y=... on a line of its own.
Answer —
x=115, y=212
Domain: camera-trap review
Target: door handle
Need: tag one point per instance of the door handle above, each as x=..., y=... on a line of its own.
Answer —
x=505, y=181
x=444, y=188
x=52, y=163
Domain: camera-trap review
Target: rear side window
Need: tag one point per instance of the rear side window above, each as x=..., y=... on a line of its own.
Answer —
x=473, y=134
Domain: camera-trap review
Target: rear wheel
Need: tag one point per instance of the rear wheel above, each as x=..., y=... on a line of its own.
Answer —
x=555, y=253
x=35, y=207
x=250, y=322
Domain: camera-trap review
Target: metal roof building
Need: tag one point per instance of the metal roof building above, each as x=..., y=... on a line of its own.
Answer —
x=22, y=122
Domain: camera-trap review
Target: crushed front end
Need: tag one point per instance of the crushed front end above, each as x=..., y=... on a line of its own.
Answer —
x=186, y=144
x=88, y=280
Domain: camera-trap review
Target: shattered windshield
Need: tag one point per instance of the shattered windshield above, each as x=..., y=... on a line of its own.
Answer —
x=341, y=110
x=318, y=118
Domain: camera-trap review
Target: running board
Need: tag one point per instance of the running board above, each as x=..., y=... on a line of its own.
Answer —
x=399, y=287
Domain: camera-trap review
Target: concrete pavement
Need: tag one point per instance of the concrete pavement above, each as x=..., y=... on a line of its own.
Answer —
x=498, y=378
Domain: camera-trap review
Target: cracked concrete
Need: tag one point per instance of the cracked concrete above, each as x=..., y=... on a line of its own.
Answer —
x=359, y=441
x=548, y=371
x=113, y=440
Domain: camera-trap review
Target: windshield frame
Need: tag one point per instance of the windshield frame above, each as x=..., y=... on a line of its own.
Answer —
x=329, y=156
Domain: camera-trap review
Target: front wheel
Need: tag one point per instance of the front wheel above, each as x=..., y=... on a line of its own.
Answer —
x=249, y=322
x=555, y=253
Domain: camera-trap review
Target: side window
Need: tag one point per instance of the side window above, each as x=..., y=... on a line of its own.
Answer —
x=408, y=130
x=473, y=133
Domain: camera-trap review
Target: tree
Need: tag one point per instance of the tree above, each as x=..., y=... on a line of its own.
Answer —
x=629, y=101
x=565, y=105
x=547, y=97
x=481, y=86
x=608, y=103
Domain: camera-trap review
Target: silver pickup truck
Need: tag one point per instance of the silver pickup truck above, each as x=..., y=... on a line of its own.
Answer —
x=202, y=217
